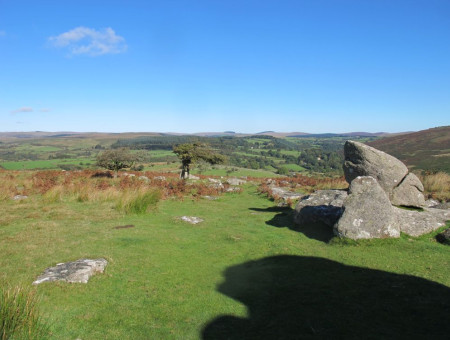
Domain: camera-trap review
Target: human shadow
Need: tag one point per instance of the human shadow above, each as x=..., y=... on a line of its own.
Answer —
x=294, y=297
x=285, y=219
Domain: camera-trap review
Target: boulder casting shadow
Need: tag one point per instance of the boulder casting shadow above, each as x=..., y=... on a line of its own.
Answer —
x=284, y=219
x=294, y=297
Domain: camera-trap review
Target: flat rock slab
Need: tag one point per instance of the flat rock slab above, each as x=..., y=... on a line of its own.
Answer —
x=75, y=272
x=416, y=223
x=191, y=219
x=19, y=197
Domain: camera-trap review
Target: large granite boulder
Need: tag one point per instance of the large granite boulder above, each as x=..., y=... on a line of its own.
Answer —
x=403, y=188
x=368, y=213
x=321, y=206
x=77, y=271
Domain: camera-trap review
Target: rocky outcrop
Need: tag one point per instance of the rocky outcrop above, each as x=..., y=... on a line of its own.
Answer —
x=403, y=188
x=368, y=213
x=76, y=272
x=323, y=206
x=379, y=184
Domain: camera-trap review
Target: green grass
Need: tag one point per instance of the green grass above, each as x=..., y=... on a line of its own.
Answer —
x=245, y=272
x=222, y=171
x=45, y=164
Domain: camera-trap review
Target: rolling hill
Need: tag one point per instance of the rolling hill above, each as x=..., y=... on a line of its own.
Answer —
x=423, y=150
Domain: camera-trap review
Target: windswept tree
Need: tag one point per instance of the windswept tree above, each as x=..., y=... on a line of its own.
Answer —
x=116, y=159
x=190, y=153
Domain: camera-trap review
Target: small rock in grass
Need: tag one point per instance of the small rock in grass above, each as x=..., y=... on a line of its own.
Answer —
x=191, y=219
x=75, y=272
x=19, y=197
x=210, y=198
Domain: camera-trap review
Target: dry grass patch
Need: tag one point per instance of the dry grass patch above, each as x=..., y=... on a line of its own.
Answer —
x=437, y=185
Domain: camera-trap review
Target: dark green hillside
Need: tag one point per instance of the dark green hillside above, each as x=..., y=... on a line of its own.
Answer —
x=425, y=150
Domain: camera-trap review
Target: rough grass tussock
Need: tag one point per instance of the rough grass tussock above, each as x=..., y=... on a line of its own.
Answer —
x=19, y=316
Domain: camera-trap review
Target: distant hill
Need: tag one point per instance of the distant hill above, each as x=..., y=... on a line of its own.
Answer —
x=424, y=150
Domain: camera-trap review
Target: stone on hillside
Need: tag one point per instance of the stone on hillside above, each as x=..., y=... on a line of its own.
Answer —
x=19, y=197
x=416, y=223
x=160, y=178
x=144, y=178
x=193, y=177
x=392, y=175
x=363, y=160
x=215, y=181
x=445, y=205
x=430, y=203
x=321, y=206
x=368, y=213
x=444, y=237
x=76, y=272
x=191, y=219
x=235, y=181
x=409, y=192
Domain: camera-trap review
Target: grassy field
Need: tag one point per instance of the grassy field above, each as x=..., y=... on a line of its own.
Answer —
x=246, y=272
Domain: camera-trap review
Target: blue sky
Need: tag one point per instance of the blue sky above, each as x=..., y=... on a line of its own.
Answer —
x=241, y=65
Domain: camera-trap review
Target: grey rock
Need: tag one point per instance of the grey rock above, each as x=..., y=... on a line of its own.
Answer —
x=235, y=181
x=445, y=205
x=233, y=189
x=215, y=181
x=76, y=272
x=191, y=219
x=218, y=186
x=210, y=198
x=285, y=194
x=193, y=177
x=321, y=206
x=444, y=237
x=19, y=197
x=409, y=192
x=368, y=213
x=144, y=178
x=416, y=223
x=432, y=203
x=160, y=178
x=363, y=160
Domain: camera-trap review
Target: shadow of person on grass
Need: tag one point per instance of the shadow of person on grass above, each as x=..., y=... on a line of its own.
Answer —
x=294, y=297
x=285, y=219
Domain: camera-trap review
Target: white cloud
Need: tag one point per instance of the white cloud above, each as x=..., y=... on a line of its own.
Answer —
x=84, y=40
x=23, y=109
x=2, y=33
x=44, y=110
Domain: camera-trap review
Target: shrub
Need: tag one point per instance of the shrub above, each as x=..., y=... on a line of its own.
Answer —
x=19, y=316
x=138, y=201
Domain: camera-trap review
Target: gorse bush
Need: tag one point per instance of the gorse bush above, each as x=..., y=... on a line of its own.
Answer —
x=138, y=202
x=19, y=316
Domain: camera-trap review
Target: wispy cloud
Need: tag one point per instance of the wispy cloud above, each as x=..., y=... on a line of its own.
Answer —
x=88, y=41
x=44, y=110
x=23, y=109
x=2, y=33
